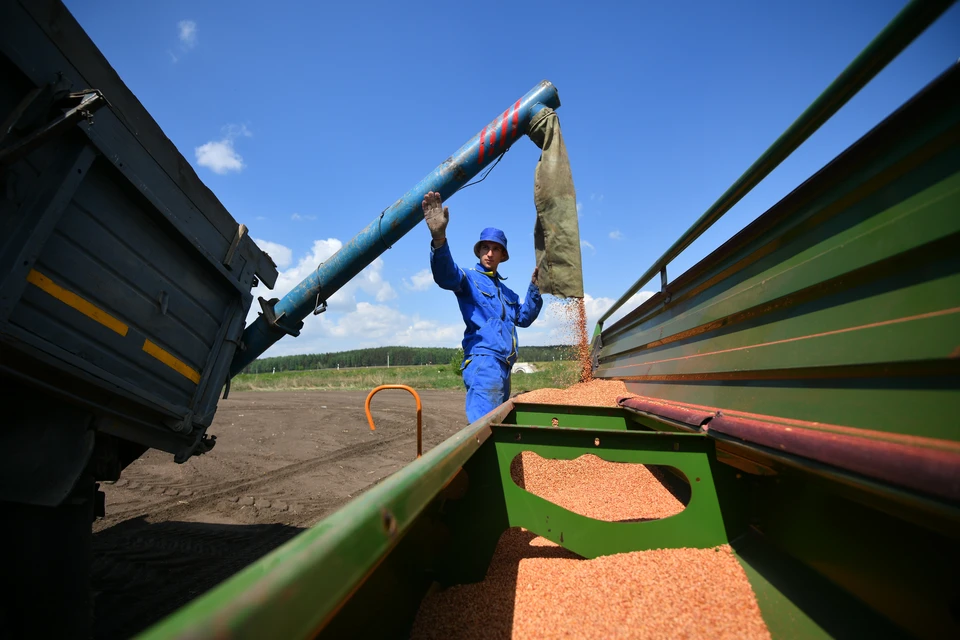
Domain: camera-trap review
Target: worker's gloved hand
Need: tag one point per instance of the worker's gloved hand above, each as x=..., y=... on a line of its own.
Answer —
x=437, y=217
x=536, y=274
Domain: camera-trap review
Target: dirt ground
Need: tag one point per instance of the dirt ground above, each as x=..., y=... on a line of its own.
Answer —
x=283, y=461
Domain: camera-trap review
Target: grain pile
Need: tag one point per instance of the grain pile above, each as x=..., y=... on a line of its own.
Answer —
x=610, y=491
x=536, y=589
x=595, y=393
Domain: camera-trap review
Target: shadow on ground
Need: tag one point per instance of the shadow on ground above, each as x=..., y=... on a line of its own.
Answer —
x=144, y=571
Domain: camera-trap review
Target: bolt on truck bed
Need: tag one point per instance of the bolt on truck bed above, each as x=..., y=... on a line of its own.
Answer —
x=802, y=381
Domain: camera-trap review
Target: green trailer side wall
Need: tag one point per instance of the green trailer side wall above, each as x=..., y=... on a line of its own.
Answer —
x=841, y=305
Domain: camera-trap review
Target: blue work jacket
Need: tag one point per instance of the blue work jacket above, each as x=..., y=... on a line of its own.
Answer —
x=491, y=311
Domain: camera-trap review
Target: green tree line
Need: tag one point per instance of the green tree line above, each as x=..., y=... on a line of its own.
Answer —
x=399, y=356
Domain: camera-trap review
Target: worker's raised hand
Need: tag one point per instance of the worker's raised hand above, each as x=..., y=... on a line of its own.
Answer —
x=536, y=275
x=437, y=217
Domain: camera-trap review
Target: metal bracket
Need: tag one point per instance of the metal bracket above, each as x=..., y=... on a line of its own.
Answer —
x=273, y=320
x=185, y=425
x=595, y=353
x=663, y=284
x=319, y=306
x=82, y=106
x=200, y=446
x=379, y=231
x=241, y=231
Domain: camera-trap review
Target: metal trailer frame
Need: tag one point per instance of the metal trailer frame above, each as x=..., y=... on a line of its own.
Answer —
x=802, y=378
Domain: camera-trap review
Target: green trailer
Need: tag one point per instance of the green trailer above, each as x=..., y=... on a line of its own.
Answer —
x=803, y=379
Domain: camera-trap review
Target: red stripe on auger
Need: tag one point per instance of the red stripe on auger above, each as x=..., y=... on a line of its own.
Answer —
x=503, y=128
x=492, y=141
x=516, y=117
x=483, y=134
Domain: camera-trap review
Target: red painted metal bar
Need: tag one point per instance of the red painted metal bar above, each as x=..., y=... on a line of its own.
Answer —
x=693, y=418
x=929, y=470
x=922, y=464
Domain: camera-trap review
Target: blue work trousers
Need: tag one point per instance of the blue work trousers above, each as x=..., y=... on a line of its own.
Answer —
x=487, y=379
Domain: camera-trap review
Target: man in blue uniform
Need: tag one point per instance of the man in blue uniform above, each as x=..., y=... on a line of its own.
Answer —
x=491, y=311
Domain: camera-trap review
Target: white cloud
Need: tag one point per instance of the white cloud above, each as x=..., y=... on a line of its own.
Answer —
x=188, y=33
x=301, y=218
x=616, y=235
x=632, y=303
x=372, y=321
x=420, y=281
x=348, y=323
x=579, y=208
x=261, y=218
x=282, y=256
x=220, y=156
x=584, y=243
x=237, y=131
x=369, y=282
x=426, y=333
x=377, y=324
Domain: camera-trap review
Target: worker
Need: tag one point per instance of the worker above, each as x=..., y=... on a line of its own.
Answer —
x=491, y=311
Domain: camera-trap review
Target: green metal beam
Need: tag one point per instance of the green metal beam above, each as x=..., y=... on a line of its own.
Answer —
x=699, y=525
x=581, y=417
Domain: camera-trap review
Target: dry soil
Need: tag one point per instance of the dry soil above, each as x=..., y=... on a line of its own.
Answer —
x=283, y=461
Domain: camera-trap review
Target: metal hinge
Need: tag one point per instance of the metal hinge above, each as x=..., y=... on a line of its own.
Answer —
x=80, y=105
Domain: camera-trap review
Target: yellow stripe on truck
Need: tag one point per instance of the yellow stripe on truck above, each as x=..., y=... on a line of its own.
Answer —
x=73, y=300
x=172, y=361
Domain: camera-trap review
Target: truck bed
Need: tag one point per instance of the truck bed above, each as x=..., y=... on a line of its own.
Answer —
x=124, y=282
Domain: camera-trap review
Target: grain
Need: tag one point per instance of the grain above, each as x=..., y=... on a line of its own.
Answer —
x=573, y=333
x=595, y=393
x=595, y=488
x=535, y=589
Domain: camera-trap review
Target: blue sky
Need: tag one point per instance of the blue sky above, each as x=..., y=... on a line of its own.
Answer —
x=308, y=119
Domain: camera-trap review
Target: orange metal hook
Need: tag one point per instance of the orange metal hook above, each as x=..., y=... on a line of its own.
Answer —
x=419, y=411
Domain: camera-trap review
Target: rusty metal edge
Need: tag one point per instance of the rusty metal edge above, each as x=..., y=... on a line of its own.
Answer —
x=694, y=418
x=932, y=471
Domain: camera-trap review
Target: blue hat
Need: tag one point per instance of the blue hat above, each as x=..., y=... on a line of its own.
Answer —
x=492, y=235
